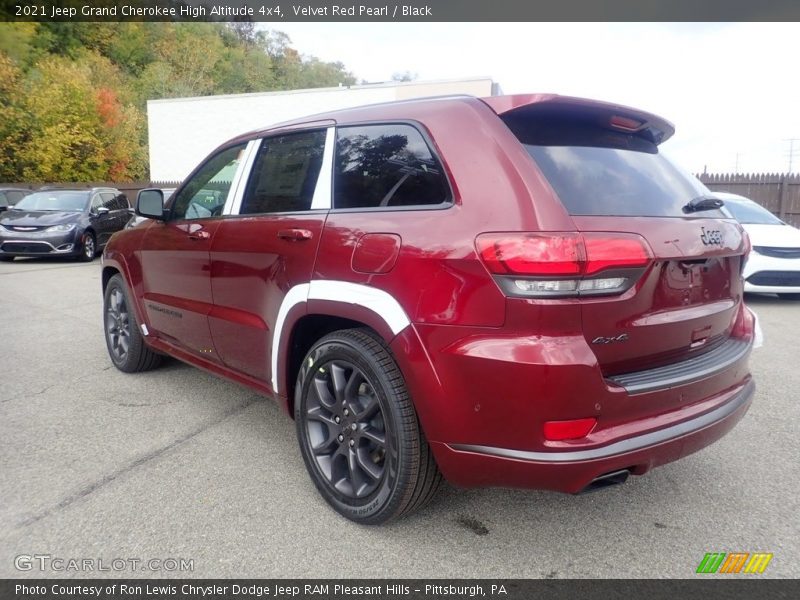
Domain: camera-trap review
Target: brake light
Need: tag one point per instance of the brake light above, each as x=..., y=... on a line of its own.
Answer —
x=564, y=264
x=555, y=431
x=617, y=252
x=529, y=254
x=625, y=123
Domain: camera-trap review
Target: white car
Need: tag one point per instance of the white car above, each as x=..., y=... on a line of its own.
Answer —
x=774, y=263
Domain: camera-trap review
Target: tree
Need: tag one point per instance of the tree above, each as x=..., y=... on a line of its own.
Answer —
x=12, y=119
x=73, y=95
x=404, y=76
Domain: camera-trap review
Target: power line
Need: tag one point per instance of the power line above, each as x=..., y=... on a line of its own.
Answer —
x=792, y=150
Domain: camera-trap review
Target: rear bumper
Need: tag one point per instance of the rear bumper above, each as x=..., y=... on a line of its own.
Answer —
x=573, y=470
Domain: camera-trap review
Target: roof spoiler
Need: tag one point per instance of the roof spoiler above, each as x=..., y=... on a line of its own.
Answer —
x=613, y=117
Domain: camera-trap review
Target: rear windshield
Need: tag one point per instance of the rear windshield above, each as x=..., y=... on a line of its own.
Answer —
x=615, y=181
x=598, y=170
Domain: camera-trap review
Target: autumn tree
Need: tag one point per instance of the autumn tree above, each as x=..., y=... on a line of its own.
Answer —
x=73, y=96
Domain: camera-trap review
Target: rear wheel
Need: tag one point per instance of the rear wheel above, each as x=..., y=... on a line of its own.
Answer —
x=6, y=258
x=790, y=296
x=125, y=343
x=358, y=431
x=88, y=247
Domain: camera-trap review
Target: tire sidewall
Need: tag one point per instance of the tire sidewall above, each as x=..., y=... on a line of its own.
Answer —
x=385, y=498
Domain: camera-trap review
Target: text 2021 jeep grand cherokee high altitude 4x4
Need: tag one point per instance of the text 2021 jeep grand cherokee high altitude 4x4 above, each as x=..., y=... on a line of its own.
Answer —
x=514, y=291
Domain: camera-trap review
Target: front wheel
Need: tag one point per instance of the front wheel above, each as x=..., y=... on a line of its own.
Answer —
x=88, y=247
x=789, y=296
x=125, y=343
x=358, y=430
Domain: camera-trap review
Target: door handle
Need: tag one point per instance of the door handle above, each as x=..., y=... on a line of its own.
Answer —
x=295, y=235
x=199, y=235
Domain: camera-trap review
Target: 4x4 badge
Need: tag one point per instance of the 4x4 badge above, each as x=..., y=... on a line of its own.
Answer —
x=711, y=237
x=610, y=340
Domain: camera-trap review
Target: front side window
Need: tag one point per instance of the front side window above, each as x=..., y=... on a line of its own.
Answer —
x=386, y=166
x=285, y=173
x=205, y=193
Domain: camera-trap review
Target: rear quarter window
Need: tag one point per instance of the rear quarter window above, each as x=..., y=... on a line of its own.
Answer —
x=386, y=166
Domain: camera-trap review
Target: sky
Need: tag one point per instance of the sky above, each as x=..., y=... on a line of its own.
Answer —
x=731, y=89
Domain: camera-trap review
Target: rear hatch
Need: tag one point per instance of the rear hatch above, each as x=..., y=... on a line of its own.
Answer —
x=660, y=279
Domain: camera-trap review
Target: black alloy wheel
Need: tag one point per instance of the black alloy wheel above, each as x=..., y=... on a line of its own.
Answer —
x=346, y=429
x=118, y=325
x=358, y=431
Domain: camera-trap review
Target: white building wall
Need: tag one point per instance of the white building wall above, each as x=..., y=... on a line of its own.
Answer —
x=182, y=131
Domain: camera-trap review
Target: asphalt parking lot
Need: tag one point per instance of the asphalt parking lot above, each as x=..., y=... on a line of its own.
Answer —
x=176, y=463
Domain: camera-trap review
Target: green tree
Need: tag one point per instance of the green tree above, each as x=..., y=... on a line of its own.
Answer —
x=12, y=120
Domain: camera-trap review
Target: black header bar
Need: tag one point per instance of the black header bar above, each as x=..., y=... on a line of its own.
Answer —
x=277, y=11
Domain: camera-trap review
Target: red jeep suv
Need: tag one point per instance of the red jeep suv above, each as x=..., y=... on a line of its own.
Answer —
x=511, y=291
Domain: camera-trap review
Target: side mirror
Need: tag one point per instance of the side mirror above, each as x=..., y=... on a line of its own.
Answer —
x=150, y=204
x=101, y=211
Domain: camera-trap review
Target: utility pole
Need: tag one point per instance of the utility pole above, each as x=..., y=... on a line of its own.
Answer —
x=792, y=150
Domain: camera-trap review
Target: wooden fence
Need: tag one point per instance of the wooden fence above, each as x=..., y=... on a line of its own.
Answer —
x=779, y=193
x=130, y=189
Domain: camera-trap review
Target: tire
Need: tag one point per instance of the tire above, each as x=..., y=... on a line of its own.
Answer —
x=340, y=427
x=88, y=247
x=789, y=296
x=6, y=258
x=124, y=341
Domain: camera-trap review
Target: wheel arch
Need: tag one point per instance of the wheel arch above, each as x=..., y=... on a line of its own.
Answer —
x=307, y=331
x=106, y=275
x=311, y=311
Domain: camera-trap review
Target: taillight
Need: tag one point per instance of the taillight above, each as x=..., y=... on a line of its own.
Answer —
x=744, y=323
x=564, y=264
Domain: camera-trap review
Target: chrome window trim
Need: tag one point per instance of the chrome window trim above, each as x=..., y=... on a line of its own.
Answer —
x=323, y=191
x=234, y=200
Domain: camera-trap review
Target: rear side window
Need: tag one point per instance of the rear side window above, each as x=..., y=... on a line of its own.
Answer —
x=595, y=171
x=386, y=166
x=285, y=174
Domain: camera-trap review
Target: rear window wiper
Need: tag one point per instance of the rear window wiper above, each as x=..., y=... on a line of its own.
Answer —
x=703, y=203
